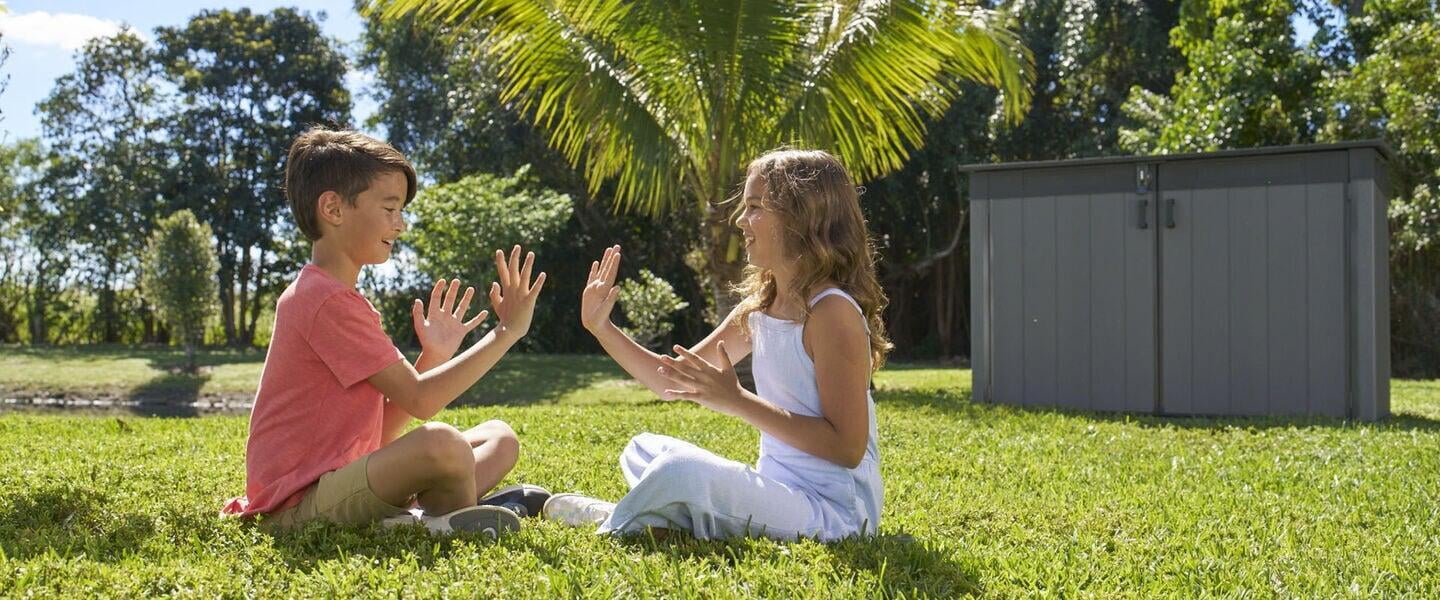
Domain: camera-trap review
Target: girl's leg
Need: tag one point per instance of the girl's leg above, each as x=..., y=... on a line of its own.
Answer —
x=495, y=449
x=677, y=485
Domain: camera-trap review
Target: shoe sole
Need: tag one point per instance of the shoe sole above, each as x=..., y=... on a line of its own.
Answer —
x=491, y=521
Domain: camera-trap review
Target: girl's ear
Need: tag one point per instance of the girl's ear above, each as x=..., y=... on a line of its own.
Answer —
x=327, y=208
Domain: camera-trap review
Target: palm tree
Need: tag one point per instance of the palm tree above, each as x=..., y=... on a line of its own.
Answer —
x=669, y=98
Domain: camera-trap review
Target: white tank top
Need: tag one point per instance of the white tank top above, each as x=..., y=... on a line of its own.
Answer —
x=785, y=377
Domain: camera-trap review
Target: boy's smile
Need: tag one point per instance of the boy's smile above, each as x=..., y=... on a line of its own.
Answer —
x=372, y=225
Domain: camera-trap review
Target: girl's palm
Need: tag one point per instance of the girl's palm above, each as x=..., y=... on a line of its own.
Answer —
x=600, y=293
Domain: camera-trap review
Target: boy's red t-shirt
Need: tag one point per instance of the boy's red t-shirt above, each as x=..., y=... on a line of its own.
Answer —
x=314, y=412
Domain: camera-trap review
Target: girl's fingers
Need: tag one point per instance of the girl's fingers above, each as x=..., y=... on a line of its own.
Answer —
x=676, y=375
x=686, y=394
x=525, y=271
x=594, y=268
x=475, y=322
x=515, y=264
x=612, y=275
x=464, y=303
x=681, y=351
x=495, y=294
x=539, y=283
x=417, y=312
x=501, y=273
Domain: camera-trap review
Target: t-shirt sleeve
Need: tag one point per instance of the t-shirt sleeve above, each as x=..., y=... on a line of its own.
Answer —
x=348, y=338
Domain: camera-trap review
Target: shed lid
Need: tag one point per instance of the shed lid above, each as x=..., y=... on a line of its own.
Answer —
x=1378, y=145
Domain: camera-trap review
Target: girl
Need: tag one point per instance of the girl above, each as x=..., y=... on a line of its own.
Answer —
x=811, y=316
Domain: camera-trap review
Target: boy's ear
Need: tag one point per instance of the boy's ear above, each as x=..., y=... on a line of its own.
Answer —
x=327, y=208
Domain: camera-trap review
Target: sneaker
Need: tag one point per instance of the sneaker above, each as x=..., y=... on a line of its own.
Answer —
x=491, y=521
x=525, y=500
x=577, y=510
x=405, y=519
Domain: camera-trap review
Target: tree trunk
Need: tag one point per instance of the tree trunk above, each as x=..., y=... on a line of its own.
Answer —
x=246, y=336
x=256, y=303
x=724, y=265
x=226, y=276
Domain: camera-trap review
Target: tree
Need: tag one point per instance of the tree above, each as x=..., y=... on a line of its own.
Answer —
x=179, y=273
x=668, y=99
x=1244, y=83
x=1393, y=92
x=1088, y=55
x=249, y=84
x=102, y=125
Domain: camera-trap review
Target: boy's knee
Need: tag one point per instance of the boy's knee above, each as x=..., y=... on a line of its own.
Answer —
x=444, y=447
x=507, y=443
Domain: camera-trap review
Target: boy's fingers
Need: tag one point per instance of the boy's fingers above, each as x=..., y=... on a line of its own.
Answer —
x=449, y=303
x=495, y=293
x=594, y=268
x=539, y=283
x=529, y=265
x=417, y=312
x=464, y=303
x=501, y=272
x=515, y=263
x=436, y=293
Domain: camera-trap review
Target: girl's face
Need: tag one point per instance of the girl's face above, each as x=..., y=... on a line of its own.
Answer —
x=764, y=247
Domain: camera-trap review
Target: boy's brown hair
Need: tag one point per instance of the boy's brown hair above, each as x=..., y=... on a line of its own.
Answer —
x=343, y=161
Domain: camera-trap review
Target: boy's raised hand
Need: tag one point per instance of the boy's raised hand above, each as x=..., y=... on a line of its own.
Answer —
x=600, y=293
x=513, y=297
x=442, y=328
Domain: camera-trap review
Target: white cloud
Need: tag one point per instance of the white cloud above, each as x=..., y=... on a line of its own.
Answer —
x=68, y=31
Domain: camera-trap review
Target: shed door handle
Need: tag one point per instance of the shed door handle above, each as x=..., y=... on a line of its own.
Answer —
x=1169, y=213
x=1145, y=214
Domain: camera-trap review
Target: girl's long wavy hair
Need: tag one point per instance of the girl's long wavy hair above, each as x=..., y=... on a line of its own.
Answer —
x=819, y=209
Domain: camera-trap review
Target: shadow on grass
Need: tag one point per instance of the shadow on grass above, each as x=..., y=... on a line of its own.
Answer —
x=530, y=379
x=903, y=565
x=73, y=520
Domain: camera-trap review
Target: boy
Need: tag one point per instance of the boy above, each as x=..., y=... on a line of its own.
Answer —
x=335, y=394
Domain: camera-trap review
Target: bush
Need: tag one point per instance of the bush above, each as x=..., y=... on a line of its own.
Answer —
x=178, y=273
x=648, y=303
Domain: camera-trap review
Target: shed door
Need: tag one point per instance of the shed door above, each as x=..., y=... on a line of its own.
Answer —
x=1252, y=272
x=1073, y=289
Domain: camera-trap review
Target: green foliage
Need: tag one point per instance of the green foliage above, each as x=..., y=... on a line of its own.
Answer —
x=179, y=274
x=459, y=226
x=1244, y=83
x=648, y=303
x=1393, y=92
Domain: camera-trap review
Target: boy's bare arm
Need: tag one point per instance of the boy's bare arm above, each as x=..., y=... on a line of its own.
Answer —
x=513, y=299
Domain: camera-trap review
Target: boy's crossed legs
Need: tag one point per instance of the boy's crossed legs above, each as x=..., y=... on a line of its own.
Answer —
x=442, y=468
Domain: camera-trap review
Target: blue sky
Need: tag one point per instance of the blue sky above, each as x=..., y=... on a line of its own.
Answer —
x=44, y=34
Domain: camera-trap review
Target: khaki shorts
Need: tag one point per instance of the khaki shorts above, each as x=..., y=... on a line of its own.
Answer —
x=341, y=496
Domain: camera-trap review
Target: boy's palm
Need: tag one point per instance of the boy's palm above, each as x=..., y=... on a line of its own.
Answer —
x=513, y=297
x=600, y=293
x=442, y=328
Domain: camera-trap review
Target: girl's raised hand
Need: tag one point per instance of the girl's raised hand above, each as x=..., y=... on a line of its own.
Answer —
x=693, y=378
x=598, y=298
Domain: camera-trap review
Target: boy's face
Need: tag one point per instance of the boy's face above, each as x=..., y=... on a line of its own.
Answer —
x=368, y=230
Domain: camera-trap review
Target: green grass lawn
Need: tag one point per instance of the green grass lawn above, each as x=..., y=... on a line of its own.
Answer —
x=979, y=499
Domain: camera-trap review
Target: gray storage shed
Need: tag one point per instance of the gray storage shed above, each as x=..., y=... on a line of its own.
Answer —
x=1244, y=282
